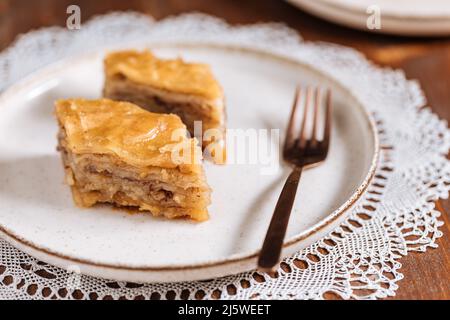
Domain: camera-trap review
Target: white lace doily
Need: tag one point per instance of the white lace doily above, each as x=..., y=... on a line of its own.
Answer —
x=358, y=260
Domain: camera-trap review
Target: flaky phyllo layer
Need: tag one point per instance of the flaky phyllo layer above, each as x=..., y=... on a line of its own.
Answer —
x=171, y=86
x=174, y=75
x=116, y=152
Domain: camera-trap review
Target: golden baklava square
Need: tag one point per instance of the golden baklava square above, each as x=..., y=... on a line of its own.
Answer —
x=118, y=153
x=189, y=90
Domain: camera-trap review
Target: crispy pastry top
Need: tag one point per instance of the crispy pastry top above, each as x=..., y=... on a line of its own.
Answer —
x=136, y=136
x=173, y=75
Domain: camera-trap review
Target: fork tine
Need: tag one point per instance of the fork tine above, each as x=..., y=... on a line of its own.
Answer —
x=327, y=129
x=302, y=136
x=317, y=104
x=290, y=129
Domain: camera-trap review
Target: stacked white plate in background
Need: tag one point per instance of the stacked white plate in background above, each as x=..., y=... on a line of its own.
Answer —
x=401, y=17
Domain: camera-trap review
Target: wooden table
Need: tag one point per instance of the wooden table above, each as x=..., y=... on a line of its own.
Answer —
x=427, y=276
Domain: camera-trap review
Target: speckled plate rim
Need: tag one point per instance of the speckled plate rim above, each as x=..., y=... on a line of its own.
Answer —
x=232, y=264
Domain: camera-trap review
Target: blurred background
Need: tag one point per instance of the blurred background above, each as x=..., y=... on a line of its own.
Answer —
x=426, y=59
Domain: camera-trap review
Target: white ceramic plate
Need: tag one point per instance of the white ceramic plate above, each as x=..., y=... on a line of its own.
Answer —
x=38, y=216
x=401, y=17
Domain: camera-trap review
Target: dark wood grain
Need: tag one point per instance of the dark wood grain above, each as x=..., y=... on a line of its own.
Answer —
x=427, y=276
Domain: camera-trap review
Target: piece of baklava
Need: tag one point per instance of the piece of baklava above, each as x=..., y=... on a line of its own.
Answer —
x=171, y=86
x=118, y=153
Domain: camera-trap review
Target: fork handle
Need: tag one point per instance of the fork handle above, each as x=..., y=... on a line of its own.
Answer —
x=273, y=243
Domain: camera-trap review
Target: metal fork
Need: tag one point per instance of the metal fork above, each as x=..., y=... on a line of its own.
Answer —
x=300, y=150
